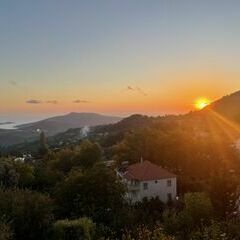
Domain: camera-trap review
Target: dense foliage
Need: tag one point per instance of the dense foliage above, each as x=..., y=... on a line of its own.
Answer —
x=69, y=193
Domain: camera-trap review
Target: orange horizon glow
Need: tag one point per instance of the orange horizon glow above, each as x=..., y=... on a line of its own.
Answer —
x=109, y=59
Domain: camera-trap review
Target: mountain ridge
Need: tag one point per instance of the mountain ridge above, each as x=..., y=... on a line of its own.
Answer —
x=227, y=106
x=61, y=123
x=52, y=126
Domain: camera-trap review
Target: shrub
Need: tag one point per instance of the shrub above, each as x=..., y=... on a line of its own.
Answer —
x=5, y=231
x=82, y=228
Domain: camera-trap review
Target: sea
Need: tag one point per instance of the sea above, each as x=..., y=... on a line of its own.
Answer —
x=12, y=122
x=10, y=125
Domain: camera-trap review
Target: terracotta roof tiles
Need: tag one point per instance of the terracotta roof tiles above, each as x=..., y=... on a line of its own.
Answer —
x=147, y=171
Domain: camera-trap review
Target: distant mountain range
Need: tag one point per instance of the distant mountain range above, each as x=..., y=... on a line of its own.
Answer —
x=67, y=128
x=59, y=124
x=54, y=125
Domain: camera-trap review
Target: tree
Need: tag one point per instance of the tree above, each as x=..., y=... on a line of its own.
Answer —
x=45, y=177
x=87, y=154
x=26, y=174
x=197, y=212
x=223, y=190
x=95, y=193
x=9, y=177
x=29, y=213
x=148, y=212
x=43, y=148
x=15, y=173
x=83, y=156
x=63, y=161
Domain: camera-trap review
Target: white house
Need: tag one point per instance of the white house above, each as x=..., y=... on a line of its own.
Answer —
x=147, y=180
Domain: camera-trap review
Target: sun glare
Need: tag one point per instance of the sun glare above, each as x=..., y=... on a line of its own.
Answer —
x=201, y=103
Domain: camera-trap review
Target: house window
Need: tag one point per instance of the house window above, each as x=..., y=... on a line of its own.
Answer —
x=169, y=183
x=169, y=197
x=145, y=186
x=134, y=182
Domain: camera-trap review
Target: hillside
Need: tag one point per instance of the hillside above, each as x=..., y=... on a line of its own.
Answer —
x=66, y=130
x=216, y=119
x=110, y=132
x=228, y=106
x=26, y=133
x=59, y=124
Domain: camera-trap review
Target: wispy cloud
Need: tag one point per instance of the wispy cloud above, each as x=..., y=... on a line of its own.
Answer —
x=135, y=89
x=52, y=101
x=81, y=101
x=33, y=101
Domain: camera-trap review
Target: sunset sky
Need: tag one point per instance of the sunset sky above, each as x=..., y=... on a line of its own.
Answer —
x=116, y=56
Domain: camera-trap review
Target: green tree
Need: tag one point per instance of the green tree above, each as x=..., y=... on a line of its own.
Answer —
x=26, y=174
x=9, y=176
x=147, y=212
x=96, y=193
x=45, y=177
x=63, y=161
x=15, y=173
x=197, y=212
x=84, y=156
x=29, y=213
x=223, y=190
x=43, y=147
x=87, y=154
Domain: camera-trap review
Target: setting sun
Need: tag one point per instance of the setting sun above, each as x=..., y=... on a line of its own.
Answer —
x=201, y=103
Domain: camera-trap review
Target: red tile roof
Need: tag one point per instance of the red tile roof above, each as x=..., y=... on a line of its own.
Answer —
x=146, y=171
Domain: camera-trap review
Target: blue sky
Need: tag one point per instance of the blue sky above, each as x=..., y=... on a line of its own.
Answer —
x=92, y=51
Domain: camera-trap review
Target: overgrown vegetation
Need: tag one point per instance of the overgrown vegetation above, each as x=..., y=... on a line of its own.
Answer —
x=71, y=194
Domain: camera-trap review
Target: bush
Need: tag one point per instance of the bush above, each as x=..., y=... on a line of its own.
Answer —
x=5, y=231
x=215, y=231
x=197, y=212
x=199, y=207
x=143, y=233
x=82, y=228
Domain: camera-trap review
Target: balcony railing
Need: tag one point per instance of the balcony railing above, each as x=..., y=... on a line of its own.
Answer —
x=134, y=187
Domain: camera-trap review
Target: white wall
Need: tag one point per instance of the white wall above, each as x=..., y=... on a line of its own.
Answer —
x=155, y=189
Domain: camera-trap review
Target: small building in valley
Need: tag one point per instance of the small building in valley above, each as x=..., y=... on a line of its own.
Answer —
x=147, y=180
